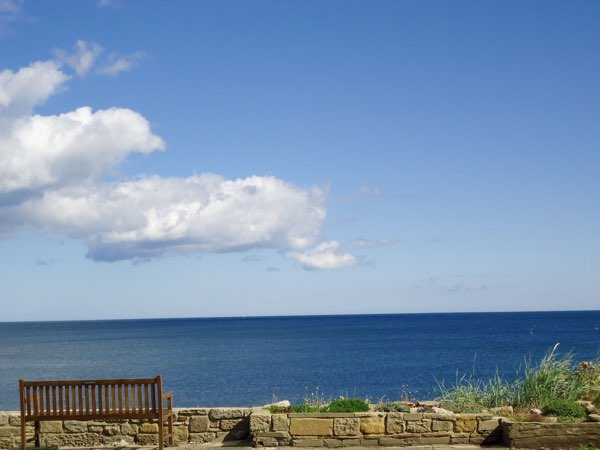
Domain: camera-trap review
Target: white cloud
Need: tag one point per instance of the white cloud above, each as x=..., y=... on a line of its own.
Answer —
x=324, y=256
x=39, y=152
x=157, y=216
x=83, y=57
x=30, y=86
x=116, y=64
x=53, y=178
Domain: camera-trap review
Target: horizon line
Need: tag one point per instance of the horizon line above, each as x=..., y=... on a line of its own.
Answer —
x=290, y=316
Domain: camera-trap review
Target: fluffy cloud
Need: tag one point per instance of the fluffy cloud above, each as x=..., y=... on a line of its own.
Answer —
x=40, y=152
x=324, y=256
x=157, y=216
x=30, y=86
x=51, y=178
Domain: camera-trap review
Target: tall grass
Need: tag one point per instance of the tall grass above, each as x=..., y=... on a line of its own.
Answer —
x=556, y=376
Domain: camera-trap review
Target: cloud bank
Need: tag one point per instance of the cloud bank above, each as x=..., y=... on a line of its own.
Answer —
x=53, y=172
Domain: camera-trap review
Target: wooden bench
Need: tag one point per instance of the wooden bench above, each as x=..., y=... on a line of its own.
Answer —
x=127, y=398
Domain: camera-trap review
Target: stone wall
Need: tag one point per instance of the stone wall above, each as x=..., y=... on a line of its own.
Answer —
x=550, y=435
x=372, y=429
x=197, y=425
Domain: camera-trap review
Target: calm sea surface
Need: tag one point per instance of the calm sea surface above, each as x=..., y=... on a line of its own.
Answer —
x=251, y=361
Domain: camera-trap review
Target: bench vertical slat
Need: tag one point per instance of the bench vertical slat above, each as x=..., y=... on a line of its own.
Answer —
x=154, y=398
x=133, y=397
x=46, y=406
x=100, y=409
x=68, y=400
x=35, y=400
x=73, y=400
x=61, y=409
x=147, y=398
x=114, y=401
x=80, y=398
x=139, y=398
x=120, y=398
x=127, y=387
x=54, y=400
x=29, y=400
x=86, y=395
x=106, y=399
x=94, y=411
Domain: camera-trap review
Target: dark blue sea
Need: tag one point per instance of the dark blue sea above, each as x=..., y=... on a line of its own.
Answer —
x=255, y=360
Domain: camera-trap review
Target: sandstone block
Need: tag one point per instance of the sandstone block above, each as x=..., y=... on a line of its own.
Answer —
x=74, y=426
x=265, y=442
x=487, y=426
x=3, y=419
x=465, y=423
x=188, y=412
x=260, y=423
x=180, y=434
x=422, y=426
x=147, y=428
x=413, y=416
x=279, y=422
x=8, y=432
x=147, y=439
x=459, y=438
x=226, y=413
x=308, y=442
x=230, y=424
x=346, y=426
x=14, y=420
x=113, y=430
x=332, y=443
x=51, y=427
x=311, y=427
x=441, y=425
x=354, y=442
x=372, y=425
x=365, y=442
x=199, y=424
x=391, y=442
x=127, y=429
x=431, y=440
x=594, y=417
x=394, y=424
x=72, y=440
x=202, y=438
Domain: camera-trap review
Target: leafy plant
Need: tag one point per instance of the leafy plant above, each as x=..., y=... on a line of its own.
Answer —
x=347, y=405
x=563, y=408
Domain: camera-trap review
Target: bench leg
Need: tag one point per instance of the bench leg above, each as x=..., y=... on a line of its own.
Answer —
x=23, y=435
x=37, y=427
x=161, y=438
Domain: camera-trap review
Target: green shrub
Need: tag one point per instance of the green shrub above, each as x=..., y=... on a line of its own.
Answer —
x=563, y=408
x=348, y=405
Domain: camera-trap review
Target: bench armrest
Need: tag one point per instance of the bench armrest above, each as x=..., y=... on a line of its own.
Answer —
x=167, y=395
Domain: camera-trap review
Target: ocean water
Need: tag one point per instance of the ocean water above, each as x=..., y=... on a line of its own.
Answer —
x=253, y=361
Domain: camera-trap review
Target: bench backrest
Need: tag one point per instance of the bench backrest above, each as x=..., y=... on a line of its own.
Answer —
x=134, y=398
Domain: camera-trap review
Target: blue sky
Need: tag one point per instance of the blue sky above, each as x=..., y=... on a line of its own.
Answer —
x=185, y=159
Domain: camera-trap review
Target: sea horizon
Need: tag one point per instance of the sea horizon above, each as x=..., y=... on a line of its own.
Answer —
x=284, y=316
